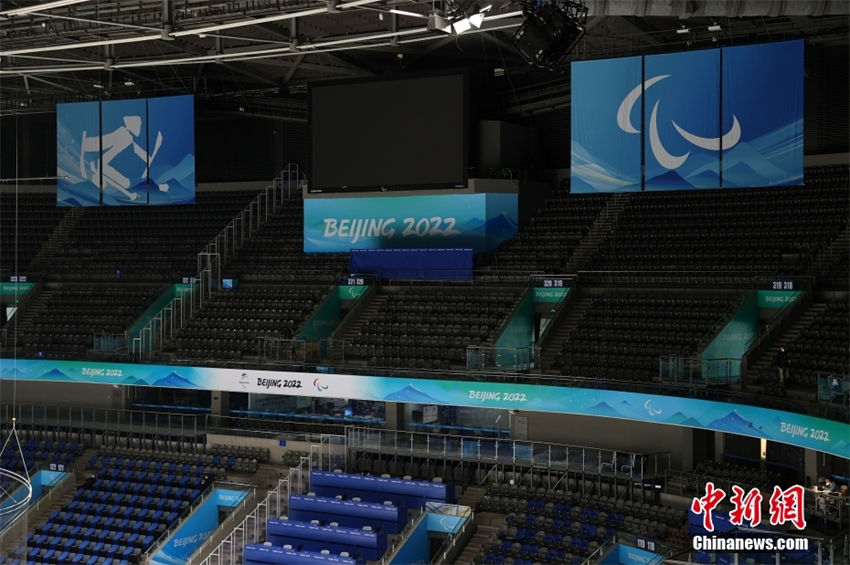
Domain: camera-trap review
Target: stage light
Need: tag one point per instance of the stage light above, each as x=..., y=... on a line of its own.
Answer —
x=458, y=18
x=682, y=30
x=715, y=27
x=438, y=22
x=549, y=32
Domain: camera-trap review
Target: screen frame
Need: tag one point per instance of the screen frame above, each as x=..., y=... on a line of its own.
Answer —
x=460, y=183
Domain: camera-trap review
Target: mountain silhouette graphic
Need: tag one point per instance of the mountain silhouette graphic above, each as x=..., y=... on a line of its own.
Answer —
x=670, y=179
x=174, y=380
x=603, y=409
x=134, y=381
x=733, y=422
x=680, y=419
x=411, y=394
x=55, y=375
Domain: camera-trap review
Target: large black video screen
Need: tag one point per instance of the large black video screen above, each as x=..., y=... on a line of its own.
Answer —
x=389, y=134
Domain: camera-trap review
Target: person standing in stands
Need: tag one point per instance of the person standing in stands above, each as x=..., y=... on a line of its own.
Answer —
x=783, y=362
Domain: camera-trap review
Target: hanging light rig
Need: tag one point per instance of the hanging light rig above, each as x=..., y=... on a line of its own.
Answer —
x=550, y=31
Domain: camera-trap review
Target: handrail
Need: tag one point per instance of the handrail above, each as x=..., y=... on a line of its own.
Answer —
x=213, y=255
x=203, y=498
x=782, y=322
x=401, y=537
x=455, y=542
x=788, y=404
x=494, y=470
x=18, y=529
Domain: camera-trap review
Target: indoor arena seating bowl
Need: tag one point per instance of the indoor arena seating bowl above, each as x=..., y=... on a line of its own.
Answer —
x=50, y=454
x=118, y=513
x=275, y=254
x=65, y=318
x=727, y=473
x=217, y=461
x=143, y=243
x=345, y=514
x=776, y=230
x=39, y=215
x=623, y=333
x=547, y=242
x=822, y=348
x=228, y=324
x=429, y=327
x=559, y=526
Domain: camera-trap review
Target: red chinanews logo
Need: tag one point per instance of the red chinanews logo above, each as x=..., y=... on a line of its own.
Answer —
x=785, y=506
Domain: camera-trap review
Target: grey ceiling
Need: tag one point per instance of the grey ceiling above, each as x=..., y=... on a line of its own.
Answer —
x=260, y=54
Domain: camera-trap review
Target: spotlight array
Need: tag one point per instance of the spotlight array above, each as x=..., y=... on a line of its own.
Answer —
x=550, y=31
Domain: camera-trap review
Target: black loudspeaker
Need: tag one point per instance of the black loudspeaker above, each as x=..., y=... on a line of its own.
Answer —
x=546, y=36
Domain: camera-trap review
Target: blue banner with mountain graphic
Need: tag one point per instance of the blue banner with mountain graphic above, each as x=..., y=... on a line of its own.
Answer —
x=681, y=105
x=802, y=430
x=126, y=152
x=606, y=125
x=439, y=221
x=763, y=89
x=730, y=117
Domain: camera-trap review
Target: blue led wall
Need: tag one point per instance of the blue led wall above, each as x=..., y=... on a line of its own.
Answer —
x=126, y=152
x=730, y=117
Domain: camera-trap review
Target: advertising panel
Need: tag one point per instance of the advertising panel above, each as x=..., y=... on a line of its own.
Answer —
x=792, y=428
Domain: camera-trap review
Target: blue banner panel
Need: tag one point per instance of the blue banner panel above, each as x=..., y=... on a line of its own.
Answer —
x=413, y=264
x=681, y=105
x=763, y=92
x=123, y=164
x=802, y=430
x=171, y=134
x=77, y=151
x=606, y=125
x=477, y=221
x=256, y=553
x=195, y=530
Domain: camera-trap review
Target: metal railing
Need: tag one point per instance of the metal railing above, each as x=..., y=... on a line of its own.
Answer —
x=697, y=372
x=455, y=541
x=163, y=538
x=280, y=349
x=110, y=343
x=541, y=455
x=510, y=359
x=213, y=256
x=108, y=426
x=15, y=533
x=227, y=545
x=399, y=539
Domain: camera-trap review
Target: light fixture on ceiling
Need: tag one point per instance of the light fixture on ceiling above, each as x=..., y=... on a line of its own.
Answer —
x=437, y=21
x=406, y=13
x=458, y=18
x=98, y=86
x=683, y=30
x=39, y=7
x=129, y=82
x=550, y=31
x=715, y=27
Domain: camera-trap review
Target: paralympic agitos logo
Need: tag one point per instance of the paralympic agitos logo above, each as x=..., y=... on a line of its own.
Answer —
x=661, y=154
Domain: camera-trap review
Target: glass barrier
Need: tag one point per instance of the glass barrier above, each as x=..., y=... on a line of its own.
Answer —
x=696, y=372
x=510, y=359
x=834, y=388
x=557, y=457
x=280, y=349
